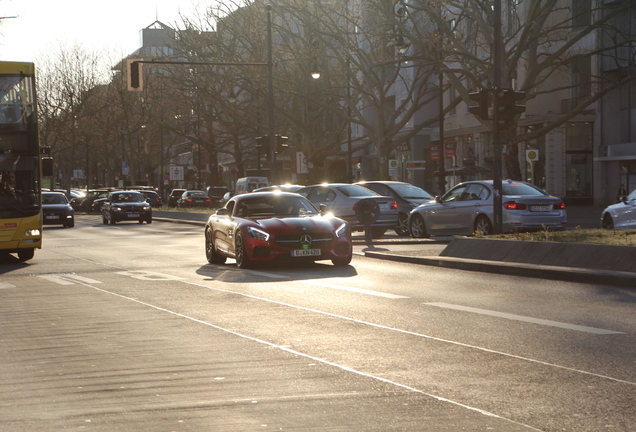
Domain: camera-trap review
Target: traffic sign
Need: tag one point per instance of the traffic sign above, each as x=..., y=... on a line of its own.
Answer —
x=416, y=165
x=532, y=155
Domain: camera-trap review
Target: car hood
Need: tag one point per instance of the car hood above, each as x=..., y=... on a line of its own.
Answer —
x=289, y=225
x=617, y=206
x=134, y=204
x=56, y=207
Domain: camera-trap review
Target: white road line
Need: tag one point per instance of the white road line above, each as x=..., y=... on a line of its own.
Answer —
x=81, y=278
x=63, y=279
x=4, y=285
x=525, y=319
x=57, y=279
x=357, y=290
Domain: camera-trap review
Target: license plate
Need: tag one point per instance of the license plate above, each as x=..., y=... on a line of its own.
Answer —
x=52, y=217
x=383, y=207
x=305, y=252
x=545, y=208
x=132, y=215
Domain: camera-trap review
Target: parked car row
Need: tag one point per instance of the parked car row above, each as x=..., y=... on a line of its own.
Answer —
x=91, y=201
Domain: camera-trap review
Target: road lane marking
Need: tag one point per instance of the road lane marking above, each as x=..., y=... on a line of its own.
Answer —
x=57, y=279
x=148, y=276
x=4, y=285
x=80, y=278
x=525, y=319
x=356, y=290
x=63, y=279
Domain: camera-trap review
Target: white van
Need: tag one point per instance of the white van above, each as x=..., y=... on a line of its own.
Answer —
x=248, y=184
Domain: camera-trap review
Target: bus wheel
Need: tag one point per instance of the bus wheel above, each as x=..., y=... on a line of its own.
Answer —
x=26, y=254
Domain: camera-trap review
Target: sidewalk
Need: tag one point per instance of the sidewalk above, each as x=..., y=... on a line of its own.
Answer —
x=427, y=251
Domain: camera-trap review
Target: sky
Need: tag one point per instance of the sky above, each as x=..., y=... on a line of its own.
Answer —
x=112, y=25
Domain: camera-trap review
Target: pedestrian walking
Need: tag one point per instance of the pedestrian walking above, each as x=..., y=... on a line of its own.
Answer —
x=367, y=212
x=621, y=193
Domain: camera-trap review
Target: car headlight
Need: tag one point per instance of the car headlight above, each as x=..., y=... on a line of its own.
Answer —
x=32, y=232
x=147, y=208
x=341, y=231
x=258, y=234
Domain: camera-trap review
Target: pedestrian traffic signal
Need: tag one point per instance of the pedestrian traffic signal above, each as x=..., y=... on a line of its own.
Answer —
x=482, y=98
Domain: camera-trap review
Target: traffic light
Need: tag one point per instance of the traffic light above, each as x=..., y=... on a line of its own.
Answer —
x=262, y=144
x=507, y=107
x=135, y=78
x=282, y=143
x=482, y=98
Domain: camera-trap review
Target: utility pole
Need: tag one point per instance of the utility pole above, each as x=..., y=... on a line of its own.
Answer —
x=497, y=167
x=270, y=98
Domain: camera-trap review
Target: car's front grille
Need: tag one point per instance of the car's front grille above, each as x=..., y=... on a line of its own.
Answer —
x=293, y=240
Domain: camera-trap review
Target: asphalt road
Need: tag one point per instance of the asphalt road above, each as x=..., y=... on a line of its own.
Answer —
x=126, y=327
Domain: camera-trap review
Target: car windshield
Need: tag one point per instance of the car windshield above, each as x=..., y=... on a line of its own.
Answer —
x=275, y=206
x=54, y=199
x=409, y=191
x=521, y=189
x=128, y=197
x=631, y=196
x=356, y=191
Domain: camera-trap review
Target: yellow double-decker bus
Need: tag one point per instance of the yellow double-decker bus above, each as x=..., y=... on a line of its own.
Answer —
x=20, y=162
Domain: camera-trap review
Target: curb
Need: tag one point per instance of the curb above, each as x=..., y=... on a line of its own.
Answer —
x=573, y=274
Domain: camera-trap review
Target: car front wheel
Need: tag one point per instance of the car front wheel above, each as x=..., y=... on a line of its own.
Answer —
x=608, y=222
x=240, y=253
x=418, y=227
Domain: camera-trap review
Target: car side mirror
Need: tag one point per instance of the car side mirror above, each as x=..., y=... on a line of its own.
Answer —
x=323, y=209
x=438, y=199
x=222, y=212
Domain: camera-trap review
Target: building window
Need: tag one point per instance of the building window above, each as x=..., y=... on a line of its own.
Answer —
x=581, y=77
x=581, y=13
x=578, y=153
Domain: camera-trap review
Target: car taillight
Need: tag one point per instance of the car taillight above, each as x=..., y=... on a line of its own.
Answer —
x=511, y=205
x=189, y=199
x=560, y=206
x=394, y=206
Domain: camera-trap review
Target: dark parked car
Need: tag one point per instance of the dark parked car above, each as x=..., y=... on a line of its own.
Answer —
x=152, y=198
x=85, y=203
x=174, y=197
x=408, y=197
x=216, y=194
x=194, y=198
x=267, y=227
x=126, y=205
x=56, y=210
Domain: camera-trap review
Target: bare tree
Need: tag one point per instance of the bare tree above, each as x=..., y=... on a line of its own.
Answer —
x=548, y=54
